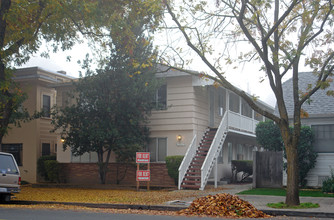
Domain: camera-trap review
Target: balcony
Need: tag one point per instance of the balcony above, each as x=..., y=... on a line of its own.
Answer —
x=241, y=124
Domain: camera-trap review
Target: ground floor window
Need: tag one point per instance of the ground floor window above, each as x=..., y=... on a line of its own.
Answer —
x=230, y=152
x=240, y=152
x=221, y=157
x=90, y=157
x=46, y=149
x=158, y=149
x=16, y=150
x=323, y=138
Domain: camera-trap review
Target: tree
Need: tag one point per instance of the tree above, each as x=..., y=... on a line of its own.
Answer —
x=282, y=34
x=112, y=106
x=269, y=137
x=24, y=24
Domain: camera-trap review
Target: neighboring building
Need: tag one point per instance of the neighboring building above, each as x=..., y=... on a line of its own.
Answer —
x=187, y=108
x=33, y=139
x=321, y=119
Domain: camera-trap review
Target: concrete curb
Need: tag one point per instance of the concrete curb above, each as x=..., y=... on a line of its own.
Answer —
x=299, y=213
x=104, y=205
x=170, y=208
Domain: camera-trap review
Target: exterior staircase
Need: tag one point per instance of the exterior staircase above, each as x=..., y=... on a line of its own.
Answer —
x=192, y=178
x=199, y=161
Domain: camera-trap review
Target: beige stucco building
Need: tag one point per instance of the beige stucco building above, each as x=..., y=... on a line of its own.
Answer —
x=33, y=139
x=187, y=107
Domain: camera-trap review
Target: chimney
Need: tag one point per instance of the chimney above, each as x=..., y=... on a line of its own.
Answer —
x=62, y=72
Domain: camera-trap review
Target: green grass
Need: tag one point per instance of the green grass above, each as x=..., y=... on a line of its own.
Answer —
x=282, y=192
x=282, y=205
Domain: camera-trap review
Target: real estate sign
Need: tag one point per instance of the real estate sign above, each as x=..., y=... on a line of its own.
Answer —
x=142, y=157
x=143, y=175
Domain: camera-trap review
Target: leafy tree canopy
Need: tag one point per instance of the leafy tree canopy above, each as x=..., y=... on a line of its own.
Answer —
x=111, y=106
x=24, y=24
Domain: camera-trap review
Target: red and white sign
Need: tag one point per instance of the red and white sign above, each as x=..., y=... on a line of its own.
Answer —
x=142, y=157
x=143, y=175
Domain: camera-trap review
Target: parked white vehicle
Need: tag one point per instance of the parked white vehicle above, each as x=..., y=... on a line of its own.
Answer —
x=10, y=178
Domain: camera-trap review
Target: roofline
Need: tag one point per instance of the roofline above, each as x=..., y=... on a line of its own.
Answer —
x=36, y=69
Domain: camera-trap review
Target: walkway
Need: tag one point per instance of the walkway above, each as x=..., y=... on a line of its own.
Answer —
x=326, y=208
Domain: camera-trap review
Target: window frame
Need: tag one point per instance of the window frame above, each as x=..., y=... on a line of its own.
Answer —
x=161, y=103
x=330, y=139
x=46, y=109
x=156, y=156
x=46, y=144
x=79, y=159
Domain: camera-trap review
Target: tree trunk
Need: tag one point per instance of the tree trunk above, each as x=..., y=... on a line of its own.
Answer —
x=103, y=166
x=292, y=191
x=290, y=140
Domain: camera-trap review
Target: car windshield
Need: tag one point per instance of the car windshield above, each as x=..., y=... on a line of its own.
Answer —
x=7, y=165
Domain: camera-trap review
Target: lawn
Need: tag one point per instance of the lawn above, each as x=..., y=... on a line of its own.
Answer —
x=282, y=192
x=113, y=196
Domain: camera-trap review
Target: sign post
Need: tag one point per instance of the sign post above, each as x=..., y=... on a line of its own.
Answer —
x=143, y=175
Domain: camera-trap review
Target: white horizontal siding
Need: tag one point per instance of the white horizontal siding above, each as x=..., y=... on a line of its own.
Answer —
x=323, y=166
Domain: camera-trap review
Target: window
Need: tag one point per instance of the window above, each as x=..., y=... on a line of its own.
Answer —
x=240, y=155
x=16, y=150
x=230, y=152
x=258, y=116
x=158, y=149
x=234, y=103
x=221, y=157
x=246, y=110
x=46, y=149
x=161, y=98
x=323, y=138
x=221, y=103
x=90, y=157
x=46, y=106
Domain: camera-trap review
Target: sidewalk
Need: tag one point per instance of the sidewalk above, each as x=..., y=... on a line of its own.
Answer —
x=326, y=208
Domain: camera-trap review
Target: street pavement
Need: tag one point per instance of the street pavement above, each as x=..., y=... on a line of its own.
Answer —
x=326, y=208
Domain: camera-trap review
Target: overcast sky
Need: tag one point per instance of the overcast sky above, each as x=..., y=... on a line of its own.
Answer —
x=245, y=77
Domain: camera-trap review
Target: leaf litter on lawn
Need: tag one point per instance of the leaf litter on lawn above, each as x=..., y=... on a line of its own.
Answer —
x=112, y=196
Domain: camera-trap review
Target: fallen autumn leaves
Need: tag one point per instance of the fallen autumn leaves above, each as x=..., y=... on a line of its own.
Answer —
x=222, y=205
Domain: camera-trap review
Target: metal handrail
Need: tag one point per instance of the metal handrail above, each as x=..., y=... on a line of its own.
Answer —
x=191, y=151
x=213, y=151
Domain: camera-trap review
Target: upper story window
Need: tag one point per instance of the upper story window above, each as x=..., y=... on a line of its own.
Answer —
x=258, y=116
x=234, y=103
x=323, y=138
x=246, y=110
x=221, y=101
x=46, y=106
x=161, y=98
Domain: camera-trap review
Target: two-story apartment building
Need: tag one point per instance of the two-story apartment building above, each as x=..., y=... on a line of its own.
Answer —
x=33, y=139
x=190, y=113
x=187, y=108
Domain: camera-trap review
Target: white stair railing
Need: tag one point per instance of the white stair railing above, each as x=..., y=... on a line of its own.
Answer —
x=187, y=160
x=214, y=150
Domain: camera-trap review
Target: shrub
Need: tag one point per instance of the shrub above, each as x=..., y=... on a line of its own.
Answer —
x=41, y=166
x=328, y=184
x=245, y=166
x=52, y=170
x=173, y=163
